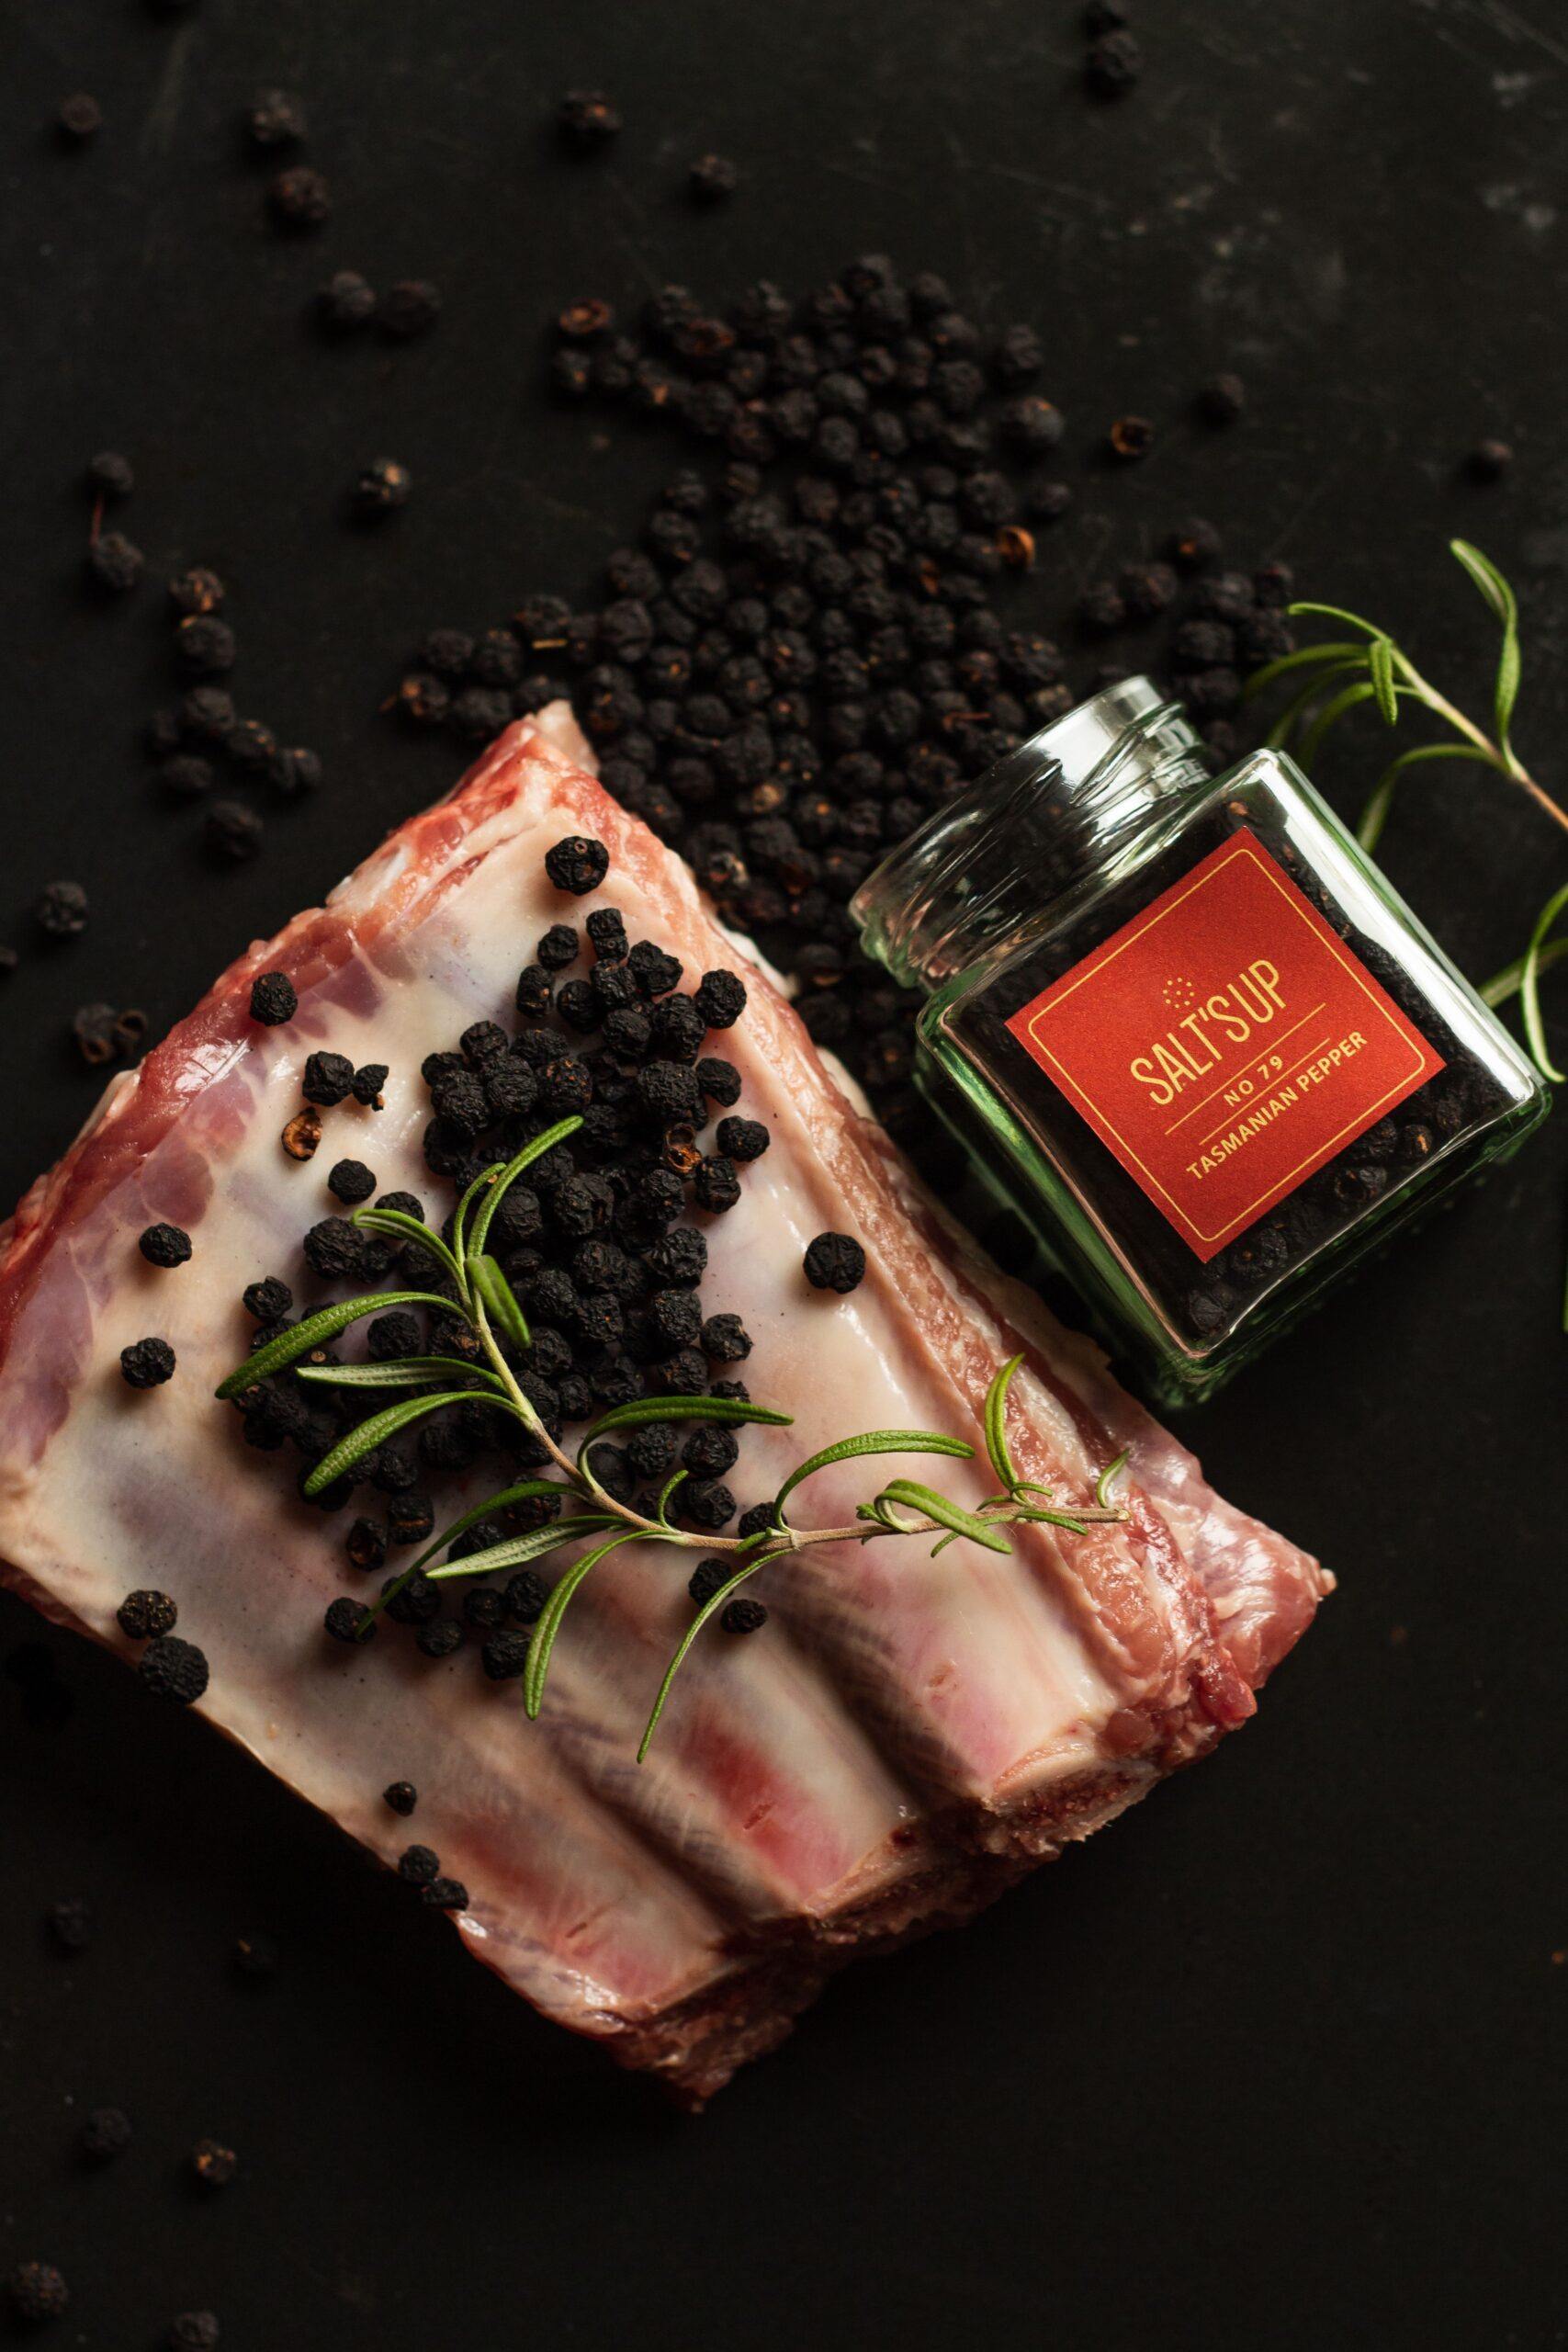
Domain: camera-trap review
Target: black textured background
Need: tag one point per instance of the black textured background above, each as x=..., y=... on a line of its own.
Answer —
x=1272, y=2063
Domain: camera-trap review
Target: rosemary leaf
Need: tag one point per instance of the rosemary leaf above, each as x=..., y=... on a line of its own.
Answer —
x=409, y=1228
x=515, y=1551
x=995, y=1424
x=507, y=1176
x=710, y=1607
x=1374, y=816
x=1296, y=709
x=1529, y=987
x=380, y=1426
x=527, y=1491
x=538, y=1665
x=849, y=1449
x=662, y=1508
x=1108, y=1476
x=1510, y=979
x=396, y=1371
x=497, y=1295
x=945, y=1512
x=1501, y=597
x=1380, y=670
x=1305, y=657
x=481, y=1184
x=316, y=1331
x=680, y=1408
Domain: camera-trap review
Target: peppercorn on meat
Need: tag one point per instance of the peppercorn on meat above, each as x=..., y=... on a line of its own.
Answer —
x=902, y=1736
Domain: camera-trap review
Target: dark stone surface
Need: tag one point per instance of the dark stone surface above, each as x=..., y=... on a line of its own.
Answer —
x=1270, y=2064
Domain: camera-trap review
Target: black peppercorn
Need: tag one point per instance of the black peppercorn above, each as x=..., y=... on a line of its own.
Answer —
x=61, y=911
x=587, y=118
x=380, y=489
x=213, y=2165
x=345, y=303
x=577, y=865
x=114, y=563
x=402, y=1796
x=351, y=1180
x=146, y=1616
x=711, y=178
x=409, y=309
x=194, y=2332
x=445, y=1895
x=79, y=117
x=743, y=1616
x=37, y=2291
x=164, y=1245
x=205, y=645
x=299, y=198
x=109, y=476
x=105, y=2135
x=273, y=1000
x=187, y=777
x=231, y=832
x=147, y=1363
x=275, y=118
x=1489, y=461
x=1222, y=399
x=345, y=1619
x=173, y=1669
x=328, y=1078
x=269, y=1300
x=71, y=1923
x=1113, y=64
x=835, y=1261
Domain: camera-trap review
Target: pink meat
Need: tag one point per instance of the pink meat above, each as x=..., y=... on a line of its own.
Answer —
x=908, y=1735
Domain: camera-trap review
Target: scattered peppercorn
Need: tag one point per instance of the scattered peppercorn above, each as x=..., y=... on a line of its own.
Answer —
x=409, y=309
x=303, y=1134
x=345, y=1619
x=37, y=2291
x=351, y=1180
x=105, y=2135
x=711, y=178
x=504, y=1656
x=345, y=303
x=380, y=489
x=743, y=1616
x=71, y=1923
x=173, y=1668
x=147, y=1363
x=145, y=1616
x=61, y=911
x=233, y=832
x=164, y=1245
x=367, y=1083
x=114, y=564
x=1222, y=399
x=328, y=1078
x=79, y=117
x=1113, y=64
x=109, y=476
x=205, y=645
x=1489, y=461
x=402, y=1796
x=447, y=1894
x=213, y=2163
x=197, y=591
x=194, y=2332
x=835, y=1261
x=275, y=118
x=577, y=865
x=273, y=999
x=1131, y=437
x=587, y=118
x=299, y=198
x=419, y=1866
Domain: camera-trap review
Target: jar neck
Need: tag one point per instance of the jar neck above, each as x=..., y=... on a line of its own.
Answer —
x=1049, y=814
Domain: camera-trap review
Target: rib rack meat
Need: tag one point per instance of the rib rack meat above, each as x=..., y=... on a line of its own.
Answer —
x=908, y=1735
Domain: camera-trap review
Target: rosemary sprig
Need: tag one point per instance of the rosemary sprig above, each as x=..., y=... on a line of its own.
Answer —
x=483, y=1299
x=1338, y=675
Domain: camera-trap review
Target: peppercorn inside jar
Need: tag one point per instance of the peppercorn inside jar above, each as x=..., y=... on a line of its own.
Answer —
x=1207, y=1047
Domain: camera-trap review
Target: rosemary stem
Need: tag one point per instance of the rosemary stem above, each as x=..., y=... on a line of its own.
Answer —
x=1506, y=763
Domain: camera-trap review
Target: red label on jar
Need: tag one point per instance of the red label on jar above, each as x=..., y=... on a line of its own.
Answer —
x=1224, y=1044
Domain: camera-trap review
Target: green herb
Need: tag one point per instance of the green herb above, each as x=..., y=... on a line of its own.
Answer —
x=1336, y=677
x=484, y=1301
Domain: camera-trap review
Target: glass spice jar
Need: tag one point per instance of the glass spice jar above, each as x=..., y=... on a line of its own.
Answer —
x=1209, y=1051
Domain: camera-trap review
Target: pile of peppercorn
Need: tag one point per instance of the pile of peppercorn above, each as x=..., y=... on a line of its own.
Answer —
x=812, y=647
x=597, y=1243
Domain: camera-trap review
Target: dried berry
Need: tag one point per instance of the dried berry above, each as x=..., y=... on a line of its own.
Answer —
x=1113, y=64
x=205, y=645
x=232, y=832
x=61, y=911
x=109, y=476
x=345, y=1619
x=327, y=1078
x=197, y=591
x=70, y=1925
x=1222, y=399
x=303, y=1134
x=409, y=309
x=835, y=1261
x=418, y=1866
x=273, y=999
x=275, y=118
x=402, y=1796
x=743, y=1616
x=37, y=2291
x=147, y=1363
x=351, y=1180
x=79, y=117
x=164, y=1245
x=194, y=2332
x=345, y=303
x=173, y=1668
x=113, y=563
x=1131, y=437
x=380, y=489
x=587, y=118
x=299, y=198
x=577, y=865
x=146, y=1616
x=711, y=178
x=1489, y=461
x=213, y=2163
x=105, y=2135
